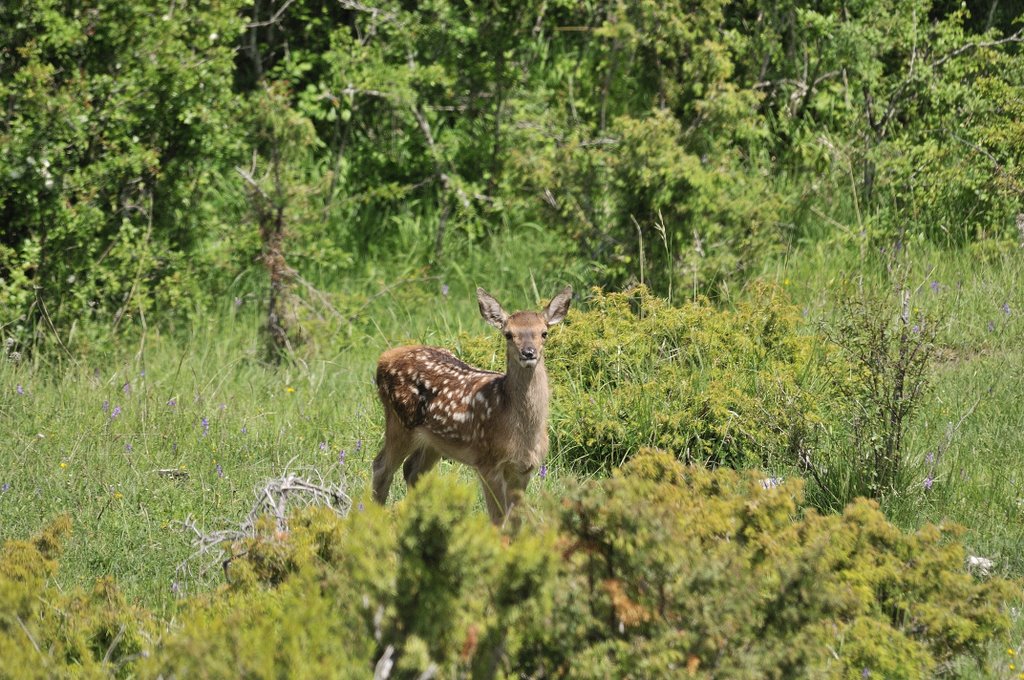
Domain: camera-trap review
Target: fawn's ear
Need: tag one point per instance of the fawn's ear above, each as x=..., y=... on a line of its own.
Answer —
x=558, y=307
x=490, y=309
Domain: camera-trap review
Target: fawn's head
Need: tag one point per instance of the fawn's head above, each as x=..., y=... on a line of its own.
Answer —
x=525, y=332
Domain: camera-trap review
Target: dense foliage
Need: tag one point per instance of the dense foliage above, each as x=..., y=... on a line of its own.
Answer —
x=659, y=570
x=165, y=168
x=680, y=142
x=746, y=387
x=116, y=119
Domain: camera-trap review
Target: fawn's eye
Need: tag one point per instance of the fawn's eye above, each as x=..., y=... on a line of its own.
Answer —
x=508, y=335
x=543, y=334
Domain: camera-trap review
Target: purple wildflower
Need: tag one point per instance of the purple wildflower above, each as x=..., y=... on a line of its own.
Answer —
x=359, y=445
x=174, y=447
x=238, y=301
x=127, y=389
x=323, y=446
x=930, y=458
x=142, y=373
x=865, y=673
x=175, y=588
x=361, y=507
x=928, y=483
x=543, y=473
x=915, y=329
x=935, y=286
x=220, y=470
x=991, y=327
x=444, y=289
x=128, y=447
x=172, y=402
x=115, y=413
x=1006, y=308
x=341, y=457
x=5, y=488
x=205, y=422
x=244, y=429
x=19, y=389
x=106, y=405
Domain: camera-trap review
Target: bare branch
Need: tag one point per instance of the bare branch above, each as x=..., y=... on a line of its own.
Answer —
x=274, y=19
x=274, y=498
x=253, y=182
x=113, y=645
x=28, y=634
x=441, y=175
x=897, y=95
x=374, y=12
x=1015, y=38
x=382, y=671
x=353, y=91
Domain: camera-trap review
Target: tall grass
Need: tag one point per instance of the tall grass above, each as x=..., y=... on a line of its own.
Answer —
x=134, y=439
x=964, y=449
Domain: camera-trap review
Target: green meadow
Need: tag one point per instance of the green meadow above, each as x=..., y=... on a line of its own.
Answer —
x=787, y=434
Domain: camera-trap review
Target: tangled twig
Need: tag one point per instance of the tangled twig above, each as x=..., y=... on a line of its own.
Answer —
x=274, y=498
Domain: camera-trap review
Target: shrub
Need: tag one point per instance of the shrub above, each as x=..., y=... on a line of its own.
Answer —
x=661, y=569
x=888, y=345
x=432, y=585
x=117, y=118
x=47, y=633
x=736, y=388
x=674, y=567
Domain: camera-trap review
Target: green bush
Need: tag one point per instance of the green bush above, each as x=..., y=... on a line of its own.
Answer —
x=47, y=633
x=677, y=567
x=661, y=569
x=435, y=584
x=735, y=388
x=117, y=119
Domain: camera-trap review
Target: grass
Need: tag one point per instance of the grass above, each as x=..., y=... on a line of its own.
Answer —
x=204, y=405
x=97, y=437
x=971, y=422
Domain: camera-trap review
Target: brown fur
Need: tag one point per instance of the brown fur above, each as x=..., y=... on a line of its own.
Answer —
x=437, y=406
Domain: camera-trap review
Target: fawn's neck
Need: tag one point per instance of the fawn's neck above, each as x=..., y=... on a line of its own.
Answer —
x=526, y=390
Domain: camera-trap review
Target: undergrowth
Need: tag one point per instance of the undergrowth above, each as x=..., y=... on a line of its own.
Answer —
x=742, y=387
x=659, y=570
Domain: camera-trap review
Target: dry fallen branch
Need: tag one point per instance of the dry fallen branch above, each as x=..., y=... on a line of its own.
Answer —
x=276, y=498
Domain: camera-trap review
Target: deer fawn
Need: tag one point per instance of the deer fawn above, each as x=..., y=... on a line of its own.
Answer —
x=437, y=406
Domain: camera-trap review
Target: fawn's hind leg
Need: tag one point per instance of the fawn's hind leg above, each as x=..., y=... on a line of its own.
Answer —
x=397, y=447
x=504, y=487
x=419, y=464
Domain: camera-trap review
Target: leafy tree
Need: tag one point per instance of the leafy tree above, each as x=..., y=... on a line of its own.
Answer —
x=116, y=117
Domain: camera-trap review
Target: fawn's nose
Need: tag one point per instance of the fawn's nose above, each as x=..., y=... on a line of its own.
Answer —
x=528, y=353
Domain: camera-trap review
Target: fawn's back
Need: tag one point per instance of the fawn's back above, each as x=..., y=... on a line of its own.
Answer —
x=430, y=391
